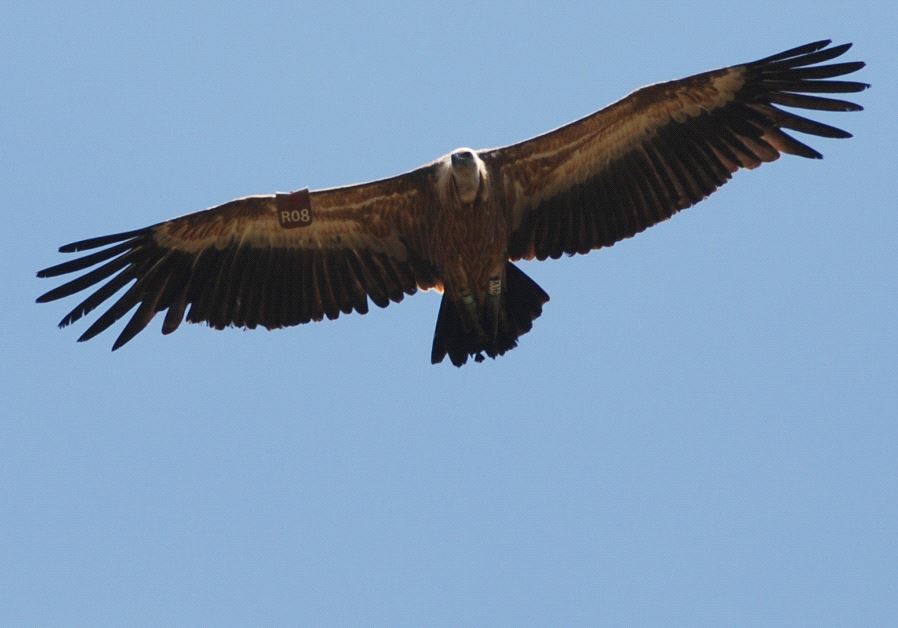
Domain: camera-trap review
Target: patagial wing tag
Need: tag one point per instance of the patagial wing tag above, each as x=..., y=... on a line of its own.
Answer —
x=294, y=209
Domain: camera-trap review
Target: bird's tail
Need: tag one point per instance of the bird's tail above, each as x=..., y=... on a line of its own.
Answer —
x=494, y=326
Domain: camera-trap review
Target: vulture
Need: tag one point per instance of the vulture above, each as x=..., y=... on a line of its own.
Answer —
x=458, y=224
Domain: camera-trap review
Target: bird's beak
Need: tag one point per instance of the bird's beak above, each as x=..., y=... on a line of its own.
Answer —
x=462, y=159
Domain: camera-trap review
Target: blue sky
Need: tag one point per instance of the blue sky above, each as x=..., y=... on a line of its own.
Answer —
x=700, y=429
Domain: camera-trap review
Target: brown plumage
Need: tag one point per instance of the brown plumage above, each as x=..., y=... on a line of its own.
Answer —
x=457, y=224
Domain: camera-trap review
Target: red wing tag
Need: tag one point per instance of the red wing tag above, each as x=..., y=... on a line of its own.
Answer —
x=294, y=209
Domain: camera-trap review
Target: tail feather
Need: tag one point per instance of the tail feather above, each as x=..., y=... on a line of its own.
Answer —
x=521, y=303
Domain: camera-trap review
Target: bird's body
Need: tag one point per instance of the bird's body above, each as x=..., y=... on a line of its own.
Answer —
x=458, y=223
x=469, y=235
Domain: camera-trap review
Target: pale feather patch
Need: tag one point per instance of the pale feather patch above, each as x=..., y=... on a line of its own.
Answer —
x=254, y=221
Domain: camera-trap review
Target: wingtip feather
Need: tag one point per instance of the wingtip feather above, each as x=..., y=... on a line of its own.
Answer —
x=92, y=243
x=798, y=50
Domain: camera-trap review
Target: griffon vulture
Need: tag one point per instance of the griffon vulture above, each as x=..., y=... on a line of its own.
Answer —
x=457, y=224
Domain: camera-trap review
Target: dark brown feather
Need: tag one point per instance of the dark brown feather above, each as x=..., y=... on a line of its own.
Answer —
x=804, y=50
x=811, y=102
x=807, y=59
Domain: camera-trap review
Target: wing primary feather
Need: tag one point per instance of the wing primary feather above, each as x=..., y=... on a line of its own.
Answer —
x=97, y=297
x=84, y=281
x=797, y=51
x=785, y=143
x=176, y=281
x=817, y=87
x=818, y=71
x=141, y=318
x=795, y=122
x=92, y=243
x=804, y=101
x=808, y=59
x=85, y=262
x=176, y=308
x=149, y=297
x=115, y=312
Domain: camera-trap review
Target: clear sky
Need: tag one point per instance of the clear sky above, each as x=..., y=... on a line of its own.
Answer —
x=701, y=429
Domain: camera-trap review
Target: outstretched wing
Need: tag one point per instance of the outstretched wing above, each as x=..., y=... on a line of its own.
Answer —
x=274, y=261
x=663, y=148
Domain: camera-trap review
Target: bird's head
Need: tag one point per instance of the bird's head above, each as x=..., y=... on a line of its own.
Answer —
x=463, y=159
x=467, y=171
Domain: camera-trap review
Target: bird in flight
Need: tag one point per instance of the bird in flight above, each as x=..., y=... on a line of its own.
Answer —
x=457, y=224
